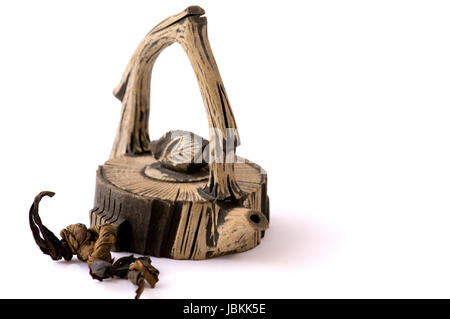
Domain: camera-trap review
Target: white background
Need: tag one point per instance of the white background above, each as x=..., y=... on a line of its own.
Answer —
x=346, y=104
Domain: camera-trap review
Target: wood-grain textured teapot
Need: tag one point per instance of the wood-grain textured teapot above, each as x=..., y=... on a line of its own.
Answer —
x=179, y=211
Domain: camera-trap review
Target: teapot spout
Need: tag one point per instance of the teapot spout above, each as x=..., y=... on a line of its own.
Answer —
x=253, y=219
x=240, y=231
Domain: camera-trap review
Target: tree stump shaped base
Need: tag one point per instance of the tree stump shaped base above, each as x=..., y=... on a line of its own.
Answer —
x=178, y=220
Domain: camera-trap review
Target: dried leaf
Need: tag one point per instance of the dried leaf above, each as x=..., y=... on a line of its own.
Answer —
x=150, y=273
x=100, y=269
x=92, y=245
x=137, y=278
x=122, y=265
x=44, y=238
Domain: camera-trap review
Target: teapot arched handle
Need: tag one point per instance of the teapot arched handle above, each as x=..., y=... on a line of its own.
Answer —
x=189, y=29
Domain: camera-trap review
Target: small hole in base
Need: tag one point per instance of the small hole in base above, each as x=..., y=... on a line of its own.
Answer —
x=255, y=218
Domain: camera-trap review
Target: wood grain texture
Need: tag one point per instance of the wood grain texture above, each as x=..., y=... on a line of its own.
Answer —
x=188, y=29
x=170, y=210
x=178, y=219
